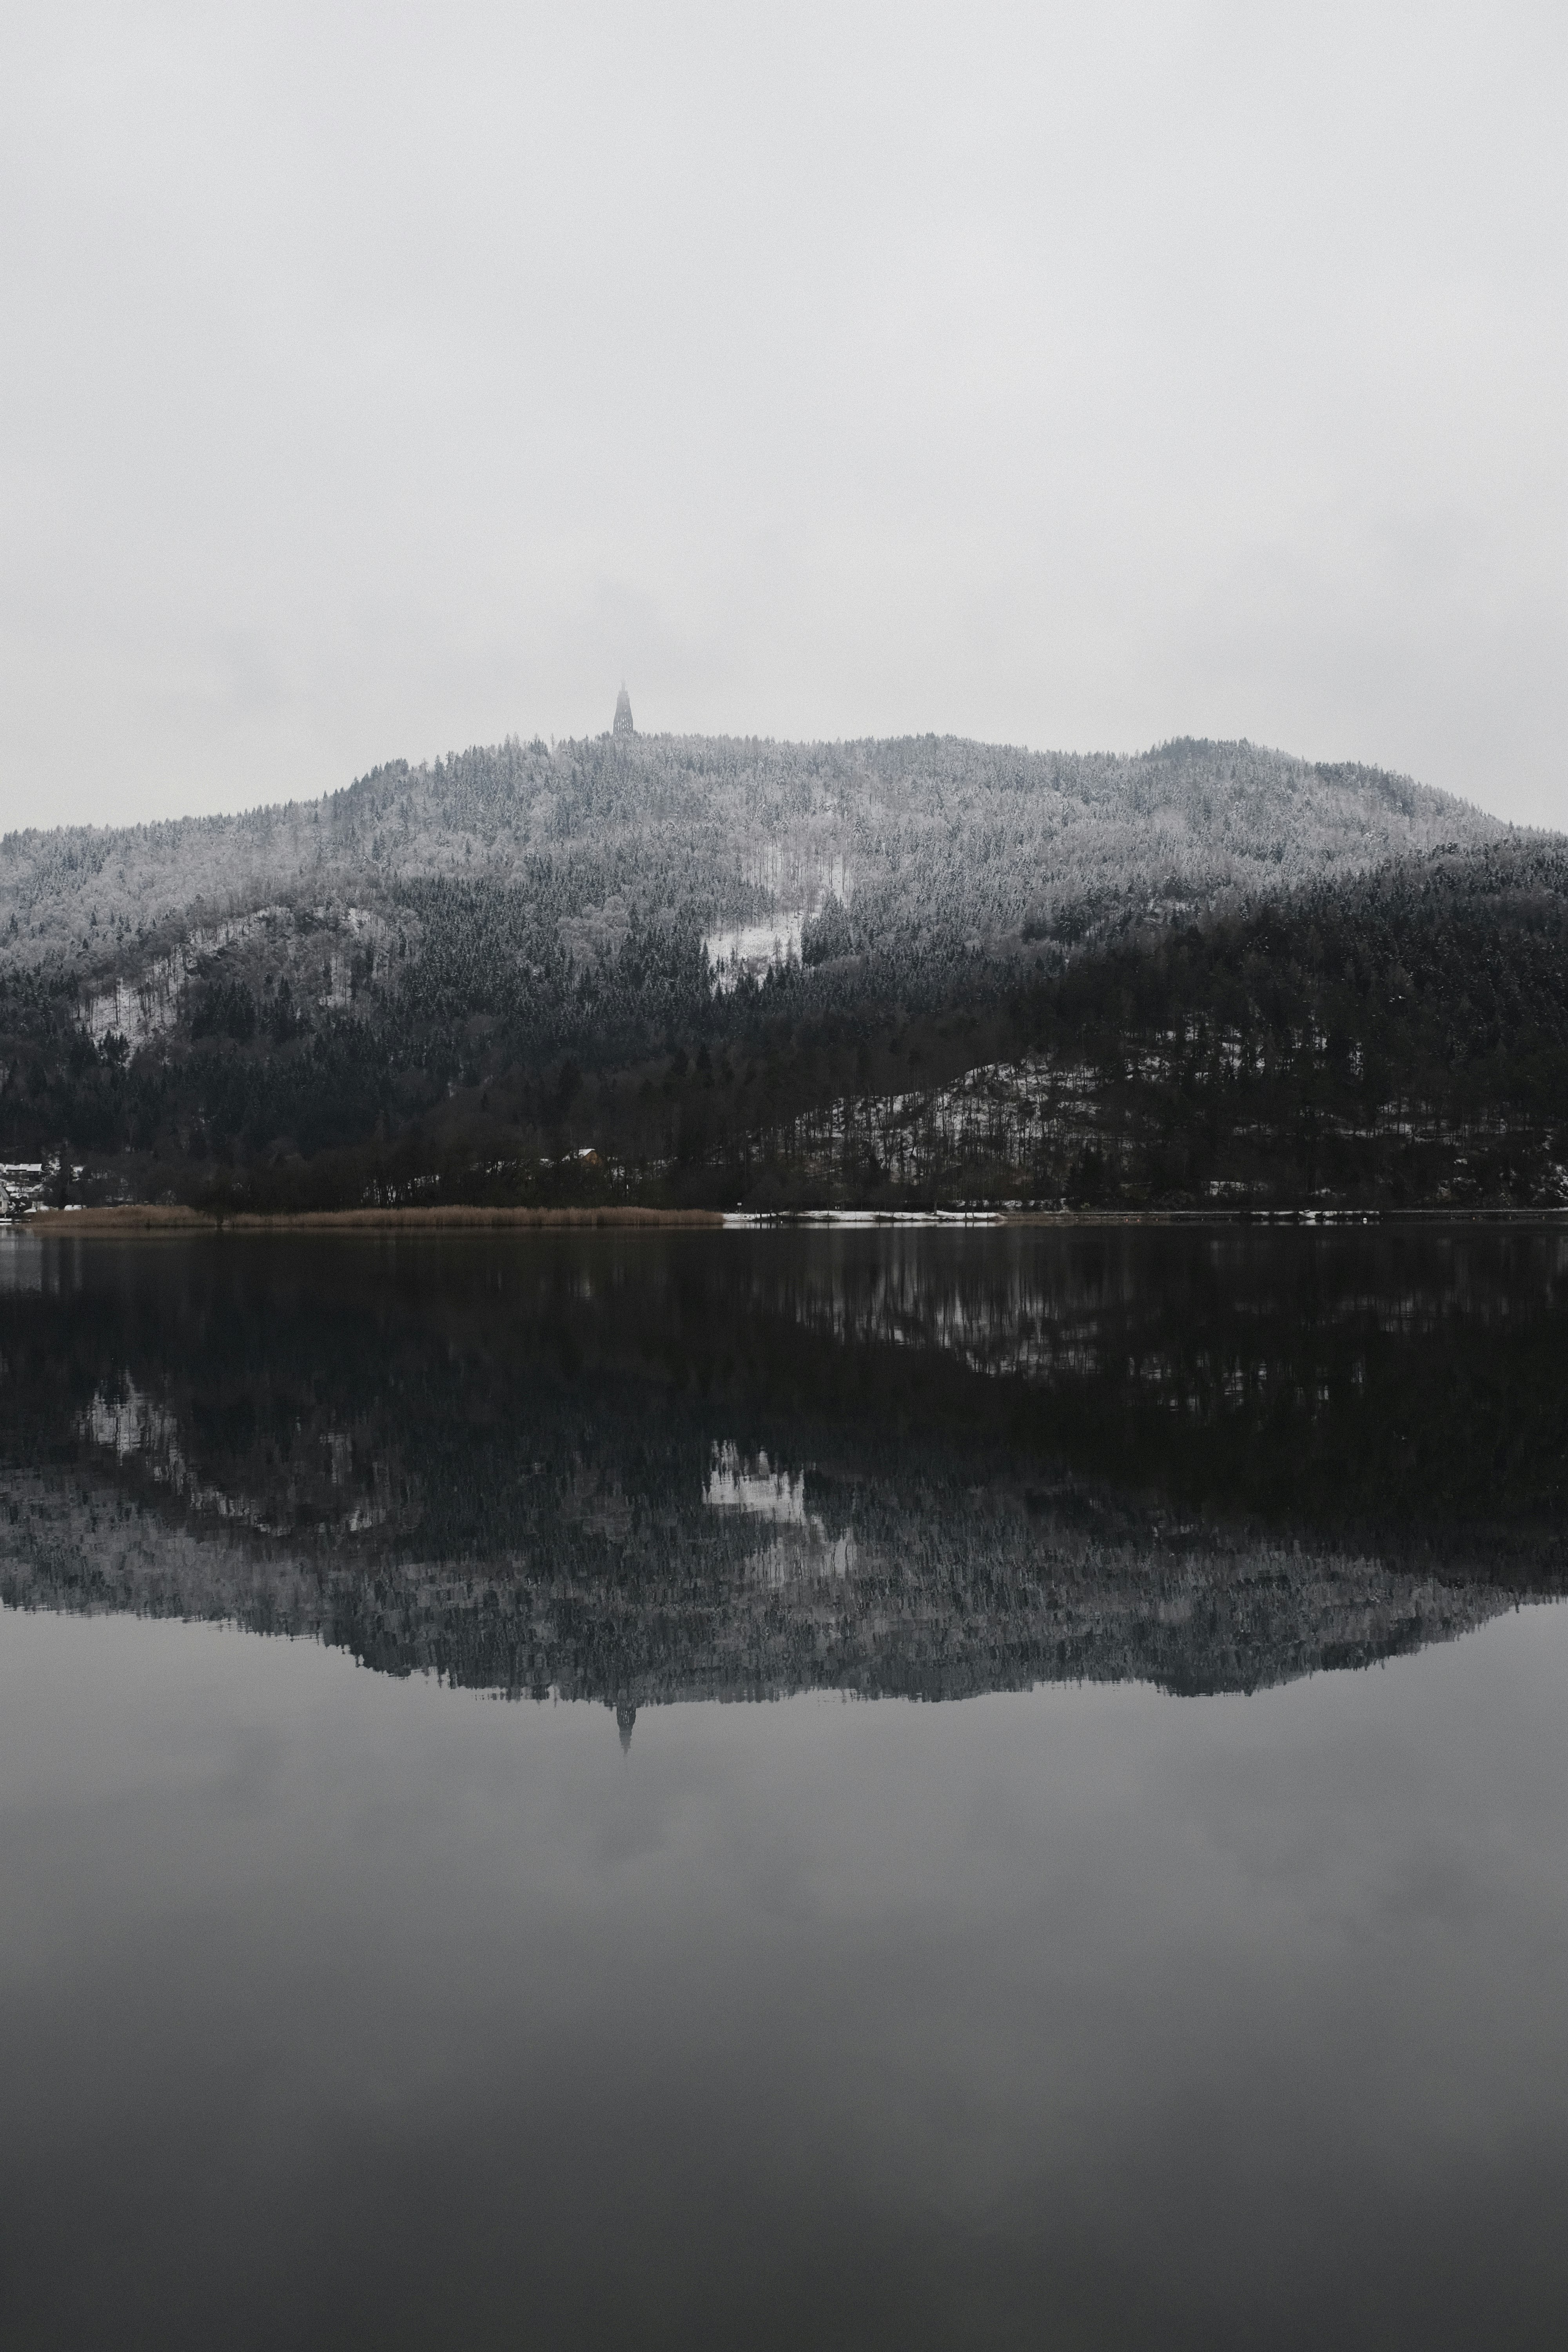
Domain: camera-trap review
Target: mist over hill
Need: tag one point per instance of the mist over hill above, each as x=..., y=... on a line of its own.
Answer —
x=724, y=969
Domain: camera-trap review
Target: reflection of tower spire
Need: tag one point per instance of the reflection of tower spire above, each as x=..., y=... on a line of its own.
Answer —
x=622, y=724
x=625, y=1716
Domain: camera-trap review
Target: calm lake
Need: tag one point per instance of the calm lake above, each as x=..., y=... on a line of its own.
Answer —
x=904, y=1788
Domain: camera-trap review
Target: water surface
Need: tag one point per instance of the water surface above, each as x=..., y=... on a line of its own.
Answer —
x=868, y=1789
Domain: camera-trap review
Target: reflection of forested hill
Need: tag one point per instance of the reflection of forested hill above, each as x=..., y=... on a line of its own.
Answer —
x=658, y=1465
x=944, y=1596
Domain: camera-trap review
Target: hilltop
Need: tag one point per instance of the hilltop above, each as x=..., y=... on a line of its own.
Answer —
x=717, y=832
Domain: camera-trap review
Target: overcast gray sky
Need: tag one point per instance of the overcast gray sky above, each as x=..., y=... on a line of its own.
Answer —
x=377, y=380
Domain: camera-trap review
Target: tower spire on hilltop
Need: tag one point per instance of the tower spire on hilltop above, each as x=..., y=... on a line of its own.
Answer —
x=623, y=721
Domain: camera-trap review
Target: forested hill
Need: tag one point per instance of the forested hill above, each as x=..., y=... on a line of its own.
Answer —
x=715, y=970
x=710, y=832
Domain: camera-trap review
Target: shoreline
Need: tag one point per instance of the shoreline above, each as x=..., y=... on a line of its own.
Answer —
x=149, y=1217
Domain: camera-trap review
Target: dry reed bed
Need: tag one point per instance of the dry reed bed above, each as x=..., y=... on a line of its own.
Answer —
x=151, y=1217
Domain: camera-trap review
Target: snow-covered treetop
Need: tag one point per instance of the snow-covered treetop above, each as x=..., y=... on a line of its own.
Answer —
x=725, y=830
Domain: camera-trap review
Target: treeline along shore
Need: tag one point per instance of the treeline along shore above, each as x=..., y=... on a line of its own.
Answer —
x=125, y=1219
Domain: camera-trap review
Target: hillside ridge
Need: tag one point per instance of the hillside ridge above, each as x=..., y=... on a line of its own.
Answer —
x=741, y=827
x=708, y=970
